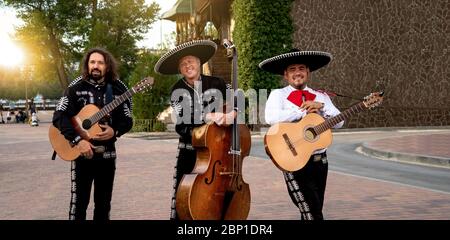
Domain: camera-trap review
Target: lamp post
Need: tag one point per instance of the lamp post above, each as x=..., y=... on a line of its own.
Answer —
x=27, y=69
x=26, y=93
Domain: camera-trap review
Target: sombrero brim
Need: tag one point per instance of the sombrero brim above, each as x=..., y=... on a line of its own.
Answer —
x=313, y=59
x=168, y=63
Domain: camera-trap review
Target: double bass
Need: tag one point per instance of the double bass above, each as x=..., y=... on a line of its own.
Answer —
x=215, y=189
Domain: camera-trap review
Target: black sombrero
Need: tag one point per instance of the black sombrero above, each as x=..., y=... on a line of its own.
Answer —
x=168, y=63
x=313, y=59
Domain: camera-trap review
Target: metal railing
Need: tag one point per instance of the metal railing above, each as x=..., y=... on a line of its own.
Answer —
x=148, y=125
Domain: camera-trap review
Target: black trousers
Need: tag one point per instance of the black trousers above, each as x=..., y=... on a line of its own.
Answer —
x=306, y=187
x=186, y=159
x=100, y=172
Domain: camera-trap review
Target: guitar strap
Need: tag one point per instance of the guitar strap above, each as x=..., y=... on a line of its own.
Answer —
x=109, y=93
x=341, y=95
x=334, y=94
x=109, y=96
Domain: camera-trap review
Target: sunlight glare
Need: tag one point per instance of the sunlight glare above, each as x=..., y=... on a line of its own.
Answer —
x=10, y=54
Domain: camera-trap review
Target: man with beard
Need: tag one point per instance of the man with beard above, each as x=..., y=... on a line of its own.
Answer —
x=98, y=85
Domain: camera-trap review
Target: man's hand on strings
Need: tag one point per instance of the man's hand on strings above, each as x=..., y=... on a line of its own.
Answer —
x=106, y=134
x=221, y=118
x=312, y=107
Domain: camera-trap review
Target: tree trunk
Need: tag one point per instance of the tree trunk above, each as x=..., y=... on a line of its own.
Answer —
x=94, y=9
x=58, y=59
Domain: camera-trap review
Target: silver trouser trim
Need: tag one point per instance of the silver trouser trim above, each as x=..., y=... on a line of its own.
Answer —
x=294, y=189
x=73, y=192
x=188, y=146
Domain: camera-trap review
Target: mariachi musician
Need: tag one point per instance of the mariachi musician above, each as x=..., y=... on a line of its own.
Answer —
x=196, y=100
x=306, y=186
x=98, y=85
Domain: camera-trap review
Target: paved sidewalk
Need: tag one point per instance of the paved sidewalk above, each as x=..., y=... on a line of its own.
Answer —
x=427, y=147
x=35, y=187
x=431, y=149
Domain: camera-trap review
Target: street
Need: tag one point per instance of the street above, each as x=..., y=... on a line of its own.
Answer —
x=35, y=187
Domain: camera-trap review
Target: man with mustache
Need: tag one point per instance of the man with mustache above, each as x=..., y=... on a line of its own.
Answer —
x=306, y=186
x=98, y=85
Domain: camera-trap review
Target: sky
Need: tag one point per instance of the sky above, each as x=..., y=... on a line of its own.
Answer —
x=160, y=28
x=12, y=54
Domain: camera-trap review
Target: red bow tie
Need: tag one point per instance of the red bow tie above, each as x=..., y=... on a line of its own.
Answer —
x=296, y=97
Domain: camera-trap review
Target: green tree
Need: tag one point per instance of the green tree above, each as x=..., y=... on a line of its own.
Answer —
x=10, y=85
x=148, y=105
x=263, y=29
x=56, y=33
x=118, y=25
x=48, y=26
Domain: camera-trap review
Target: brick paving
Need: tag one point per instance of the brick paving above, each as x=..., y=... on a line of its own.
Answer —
x=437, y=145
x=429, y=149
x=35, y=187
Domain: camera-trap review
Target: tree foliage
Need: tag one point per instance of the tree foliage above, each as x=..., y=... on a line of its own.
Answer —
x=118, y=25
x=56, y=33
x=263, y=29
x=47, y=26
x=148, y=105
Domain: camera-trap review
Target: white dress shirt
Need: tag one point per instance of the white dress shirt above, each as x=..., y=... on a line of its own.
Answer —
x=280, y=109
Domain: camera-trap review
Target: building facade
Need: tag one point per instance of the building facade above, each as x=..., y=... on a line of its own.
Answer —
x=401, y=47
x=398, y=46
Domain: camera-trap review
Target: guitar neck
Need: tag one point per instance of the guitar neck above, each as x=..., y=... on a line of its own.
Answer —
x=111, y=106
x=329, y=123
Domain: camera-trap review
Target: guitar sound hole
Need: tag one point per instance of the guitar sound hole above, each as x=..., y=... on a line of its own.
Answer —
x=310, y=134
x=87, y=124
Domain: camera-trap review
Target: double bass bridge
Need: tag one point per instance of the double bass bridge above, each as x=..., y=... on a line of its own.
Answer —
x=234, y=152
x=228, y=173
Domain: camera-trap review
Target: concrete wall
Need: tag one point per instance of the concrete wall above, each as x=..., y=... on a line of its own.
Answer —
x=401, y=46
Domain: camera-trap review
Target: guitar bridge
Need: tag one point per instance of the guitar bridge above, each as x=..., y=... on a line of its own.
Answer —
x=288, y=142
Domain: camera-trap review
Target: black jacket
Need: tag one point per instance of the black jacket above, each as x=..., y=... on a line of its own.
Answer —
x=80, y=93
x=184, y=98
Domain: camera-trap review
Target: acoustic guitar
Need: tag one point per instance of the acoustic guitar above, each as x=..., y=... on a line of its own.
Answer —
x=86, y=122
x=290, y=145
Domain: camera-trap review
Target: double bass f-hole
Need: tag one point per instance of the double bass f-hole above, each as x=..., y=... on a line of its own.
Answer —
x=213, y=173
